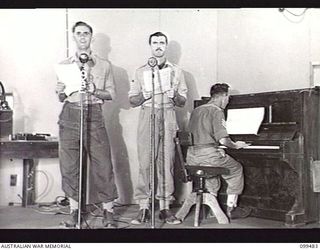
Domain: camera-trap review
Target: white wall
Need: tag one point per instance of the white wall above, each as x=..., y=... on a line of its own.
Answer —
x=31, y=42
x=261, y=50
x=254, y=50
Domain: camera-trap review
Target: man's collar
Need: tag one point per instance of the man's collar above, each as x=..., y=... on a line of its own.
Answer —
x=165, y=64
x=211, y=102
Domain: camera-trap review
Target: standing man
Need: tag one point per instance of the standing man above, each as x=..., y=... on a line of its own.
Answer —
x=165, y=101
x=98, y=87
x=208, y=126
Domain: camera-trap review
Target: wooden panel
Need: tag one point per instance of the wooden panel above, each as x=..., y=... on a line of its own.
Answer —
x=29, y=149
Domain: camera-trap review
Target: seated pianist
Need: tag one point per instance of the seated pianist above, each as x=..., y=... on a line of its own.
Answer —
x=208, y=126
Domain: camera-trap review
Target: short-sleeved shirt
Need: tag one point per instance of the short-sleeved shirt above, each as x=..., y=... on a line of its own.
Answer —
x=208, y=125
x=100, y=73
x=177, y=83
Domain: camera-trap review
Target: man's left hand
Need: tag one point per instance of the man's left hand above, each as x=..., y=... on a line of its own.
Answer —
x=90, y=88
x=171, y=93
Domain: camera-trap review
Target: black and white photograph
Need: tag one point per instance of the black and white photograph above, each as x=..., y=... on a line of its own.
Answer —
x=160, y=119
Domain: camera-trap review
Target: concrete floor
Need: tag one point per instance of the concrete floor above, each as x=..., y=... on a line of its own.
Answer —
x=49, y=217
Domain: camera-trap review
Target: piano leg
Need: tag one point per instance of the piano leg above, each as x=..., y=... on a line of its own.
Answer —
x=296, y=215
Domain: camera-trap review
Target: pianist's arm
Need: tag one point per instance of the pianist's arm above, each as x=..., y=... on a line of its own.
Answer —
x=226, y=141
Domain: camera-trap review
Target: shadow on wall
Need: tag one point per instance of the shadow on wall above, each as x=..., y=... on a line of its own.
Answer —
x=183, y=114
x=111, y=110
x=18, y=112
x=174, y=55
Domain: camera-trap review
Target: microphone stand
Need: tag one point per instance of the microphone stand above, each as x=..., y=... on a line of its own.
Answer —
x=82, y=92
x=152, y=167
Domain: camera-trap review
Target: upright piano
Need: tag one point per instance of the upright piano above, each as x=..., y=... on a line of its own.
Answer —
x=281, y=166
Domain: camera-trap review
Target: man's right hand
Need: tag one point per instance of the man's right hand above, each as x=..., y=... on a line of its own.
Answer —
x=241, y=144
x=60, y=87
x=147, y=94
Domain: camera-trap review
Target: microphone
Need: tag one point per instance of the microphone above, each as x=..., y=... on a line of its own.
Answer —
x=152, y=62
x=84, y=58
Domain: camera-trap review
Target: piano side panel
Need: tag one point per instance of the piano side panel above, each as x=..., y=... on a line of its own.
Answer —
x=310, y=131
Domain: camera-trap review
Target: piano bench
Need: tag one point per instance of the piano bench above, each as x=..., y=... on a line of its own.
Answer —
x=200, y=196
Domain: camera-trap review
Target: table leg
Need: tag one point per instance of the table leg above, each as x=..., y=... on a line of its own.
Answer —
x=28, y=186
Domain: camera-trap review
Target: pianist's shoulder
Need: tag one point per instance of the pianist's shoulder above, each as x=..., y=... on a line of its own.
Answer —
x=206, y=108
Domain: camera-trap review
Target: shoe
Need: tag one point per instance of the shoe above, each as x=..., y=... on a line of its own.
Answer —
x=167, y=216
x=142, y=217
x=108, y=220
x=72, y=222
x=238, y=212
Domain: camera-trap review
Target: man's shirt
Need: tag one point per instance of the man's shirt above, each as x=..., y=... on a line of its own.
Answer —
x=207, y=124
x=99, y=72
x=177, y=82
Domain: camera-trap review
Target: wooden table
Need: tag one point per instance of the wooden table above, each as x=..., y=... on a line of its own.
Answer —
x=28, y=151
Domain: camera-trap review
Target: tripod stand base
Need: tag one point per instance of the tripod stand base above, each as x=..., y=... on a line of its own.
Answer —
x=199, y=199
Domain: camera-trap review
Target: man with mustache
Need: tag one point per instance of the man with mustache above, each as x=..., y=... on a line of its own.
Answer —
x=165, y=101
x=99, y=88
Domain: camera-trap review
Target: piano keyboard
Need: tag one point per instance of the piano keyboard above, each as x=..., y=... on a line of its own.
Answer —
x=257, y=147
x=262, y=147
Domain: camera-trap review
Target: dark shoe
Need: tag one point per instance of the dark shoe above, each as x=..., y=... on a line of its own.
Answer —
x=108, y=220
x=72, y=222
x=238, y=212
x=167, y=216
x=142, y=217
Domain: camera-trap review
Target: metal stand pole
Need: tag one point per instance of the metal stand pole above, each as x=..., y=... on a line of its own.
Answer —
x=152, y=167
x=82, y=91
x=81, y=163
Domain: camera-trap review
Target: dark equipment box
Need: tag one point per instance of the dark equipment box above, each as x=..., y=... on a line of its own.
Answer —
x=5, y=123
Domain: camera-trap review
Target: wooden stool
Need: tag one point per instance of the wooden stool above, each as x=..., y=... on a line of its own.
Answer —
x=198, y=175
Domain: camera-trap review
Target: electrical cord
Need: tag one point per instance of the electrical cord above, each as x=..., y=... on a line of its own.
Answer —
x=300, y=16
x=61, y=202
x=47, y=183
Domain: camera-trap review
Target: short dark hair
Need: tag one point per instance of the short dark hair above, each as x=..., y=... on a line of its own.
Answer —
x=80, y=23
x=158, y=34
x=219, y=88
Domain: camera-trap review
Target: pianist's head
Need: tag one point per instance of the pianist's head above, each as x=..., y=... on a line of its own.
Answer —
x=219, y=93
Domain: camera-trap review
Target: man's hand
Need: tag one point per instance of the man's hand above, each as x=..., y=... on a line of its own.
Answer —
x=171, y=93
x=241, y=144
x=60, y=87
x=147, y=94
x=91, y=88
x=222, y=152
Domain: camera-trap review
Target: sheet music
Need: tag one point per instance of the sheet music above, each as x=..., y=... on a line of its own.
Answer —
x=165, y=80
x=70, y=75
x=244, y=121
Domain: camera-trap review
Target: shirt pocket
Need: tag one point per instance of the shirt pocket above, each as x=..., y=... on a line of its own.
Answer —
x=98, y=78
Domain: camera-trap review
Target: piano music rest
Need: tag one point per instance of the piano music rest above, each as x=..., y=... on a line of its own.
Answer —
x=198, y=176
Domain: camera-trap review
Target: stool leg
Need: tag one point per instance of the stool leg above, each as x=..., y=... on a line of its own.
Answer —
x=212, y=202
x=197, y=213
x=187, y=204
